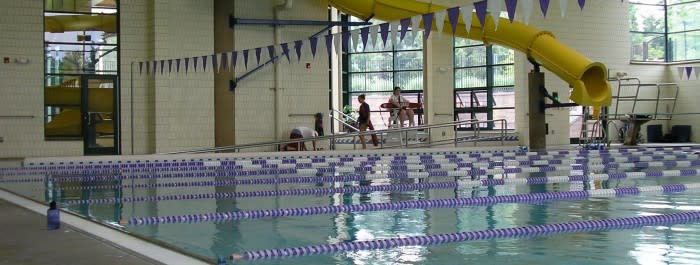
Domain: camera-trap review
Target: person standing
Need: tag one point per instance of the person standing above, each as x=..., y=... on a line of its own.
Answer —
x=363, y=119
x=402, y=103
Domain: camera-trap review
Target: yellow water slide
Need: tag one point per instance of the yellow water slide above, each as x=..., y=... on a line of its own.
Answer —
x=588, y=79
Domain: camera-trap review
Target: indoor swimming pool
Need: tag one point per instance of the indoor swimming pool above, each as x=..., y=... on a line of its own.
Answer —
x=618, y=206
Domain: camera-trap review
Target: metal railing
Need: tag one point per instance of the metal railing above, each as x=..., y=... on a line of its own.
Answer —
x=382, y=134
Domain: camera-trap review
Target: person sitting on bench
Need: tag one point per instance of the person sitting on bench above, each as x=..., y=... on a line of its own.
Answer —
x=402, y=104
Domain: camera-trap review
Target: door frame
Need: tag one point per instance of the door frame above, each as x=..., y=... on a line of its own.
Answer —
x=88, y=134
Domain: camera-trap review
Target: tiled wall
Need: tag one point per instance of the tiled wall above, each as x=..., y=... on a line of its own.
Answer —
x=301, y=90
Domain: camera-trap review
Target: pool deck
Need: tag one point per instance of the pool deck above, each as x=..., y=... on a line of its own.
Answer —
x=26, y=240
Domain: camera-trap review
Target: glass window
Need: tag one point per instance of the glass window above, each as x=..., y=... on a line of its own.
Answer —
x=484, y=80
x=80, y=38
x=664, y=31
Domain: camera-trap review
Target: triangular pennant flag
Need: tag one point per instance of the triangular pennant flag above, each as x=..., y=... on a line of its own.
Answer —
x=373, y=32
x=345, y=37
x=148, y=67
x=285, y=51
x=581, y=3
x=312, y=45
x=453, y=17
x=234, y=59
x=427, y=24
x=337, y=41
x=204, y=63
x=415, y=26
x=194, y=62
x=355, y=38
x=258, y=50
x=440, y=20
x=481, y=12
x=544, y=5
x=394, y=31
x=563, y=6
x=162, y=64
x=245, y=58
x=688, y=71
x=680, y=72
x=364, y=34
x=271, y=52
x=696, y=69
x=155, y=64
x=224, y=62
x=495, y=7
x=510, y=8
x=140, y=67
x=297, y=48
x=214, y=63
x=329, y=44
x=467, y=17
x=527, y=10
x=404, y=27
x=384, y=32
x=177, y=65
x=170, y=66
x=187, y=64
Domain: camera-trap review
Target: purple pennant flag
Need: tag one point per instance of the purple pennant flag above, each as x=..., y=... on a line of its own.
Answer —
x=364, y=34
x=481, y=12
x=285, y=51
x=345, y=39
x=427, y=24
x=148, y=67
x=329, y=43
x=297, y=48
x=544, y=5
x=510, y=7
x=177, y=65
x=224, y=61
x=155, y=66
x=312, y=45
x=170, y=66
x=204, y=63
x=688, y=71
x=581, y=3
x=245, y=58
x=384, y=32
x=162, y=63
x=404, y=27
x=187, y=64
x=453, y=17
x=271, y=51
x=234, y=59
x=140, y=67
x=214, y=63
x=194, y=62
x=258, y=50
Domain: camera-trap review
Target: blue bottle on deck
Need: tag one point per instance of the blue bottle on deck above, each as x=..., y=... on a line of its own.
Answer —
x=53, y=217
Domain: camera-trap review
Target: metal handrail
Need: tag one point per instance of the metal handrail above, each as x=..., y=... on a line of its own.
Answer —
x=405, y=130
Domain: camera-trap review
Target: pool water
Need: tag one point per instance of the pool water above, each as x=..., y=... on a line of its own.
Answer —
x=674, y=244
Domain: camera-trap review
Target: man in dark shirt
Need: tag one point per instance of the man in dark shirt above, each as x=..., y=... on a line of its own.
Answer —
x=363, y=120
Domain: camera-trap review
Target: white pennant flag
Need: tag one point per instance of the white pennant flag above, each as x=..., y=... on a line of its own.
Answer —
x=355, y=34
x=373, y=31
x=680, y=72
x=696, y=69
x=563, y=6
x=440, y=20
x=467, y=16
x=527, y=10
x=415, y=26
x=338, y=43
x=394, y=29
x=495, y=7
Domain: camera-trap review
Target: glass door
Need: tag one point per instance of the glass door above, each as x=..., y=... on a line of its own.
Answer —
x=99, y=115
